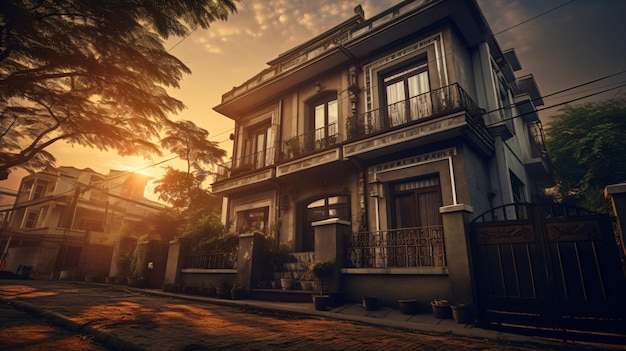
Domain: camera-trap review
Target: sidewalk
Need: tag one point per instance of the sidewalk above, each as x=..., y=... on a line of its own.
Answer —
x=61, y=313
x=382, y=316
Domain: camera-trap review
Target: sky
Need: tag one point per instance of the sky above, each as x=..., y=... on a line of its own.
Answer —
x=563, y=43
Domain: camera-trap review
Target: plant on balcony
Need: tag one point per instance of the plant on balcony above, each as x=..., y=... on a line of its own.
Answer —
x=293, y=147
x=355, y=127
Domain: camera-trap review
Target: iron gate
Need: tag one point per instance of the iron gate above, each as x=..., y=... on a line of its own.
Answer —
x=552, y=272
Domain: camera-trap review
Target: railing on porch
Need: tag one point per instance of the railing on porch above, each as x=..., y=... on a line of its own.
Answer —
x=314, y=140
x=394, y=248
x=219, y=260
x=449, y=99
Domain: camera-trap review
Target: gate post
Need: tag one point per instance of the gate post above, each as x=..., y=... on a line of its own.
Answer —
x=617, y=194
x=457, y=252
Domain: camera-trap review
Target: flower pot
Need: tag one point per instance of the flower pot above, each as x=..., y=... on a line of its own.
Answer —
x=441, y=309
x=307, y=285
x=408, y=306
x=286, y=284
x=370, y=303
x=223, y=293
x=461, y=313
x=321, y=302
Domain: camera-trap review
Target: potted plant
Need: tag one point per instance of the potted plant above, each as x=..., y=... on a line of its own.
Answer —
x=237, y=292
x=370, y=303
x=307, y=281
x=286, y=282
x=293, y=147
x=322, y=270
x=441, y=309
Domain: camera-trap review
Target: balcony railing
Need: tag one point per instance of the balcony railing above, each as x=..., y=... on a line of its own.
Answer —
x=537, y=142
x=219, y=260
x=419, y=247
x=449, y=99
x=315, y=140
x=245, y=164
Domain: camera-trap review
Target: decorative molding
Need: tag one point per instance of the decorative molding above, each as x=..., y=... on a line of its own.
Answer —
x=506, y=234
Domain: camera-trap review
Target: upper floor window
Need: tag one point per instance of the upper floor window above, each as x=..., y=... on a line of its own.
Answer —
x=325, y=120
x=406, y=94
x=40, y=189
x=30, y=220
x=257, y=147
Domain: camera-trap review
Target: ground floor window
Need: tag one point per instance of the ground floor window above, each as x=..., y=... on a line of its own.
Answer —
x=253, y=220
x=415, y=237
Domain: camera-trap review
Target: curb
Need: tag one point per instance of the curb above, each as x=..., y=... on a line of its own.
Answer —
x=67, y=323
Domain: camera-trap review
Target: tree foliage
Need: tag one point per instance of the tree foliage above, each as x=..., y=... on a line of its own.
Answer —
x=91, y=73
x=587, y=144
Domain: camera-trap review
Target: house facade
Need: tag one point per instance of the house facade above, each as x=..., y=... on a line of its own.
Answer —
x=67, y=219
x=396, y=131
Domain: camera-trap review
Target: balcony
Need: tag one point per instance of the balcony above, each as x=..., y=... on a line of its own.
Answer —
x=246, y=164
x=310, y=142
x=538, y=163
x=240, y=172
x=430, y=117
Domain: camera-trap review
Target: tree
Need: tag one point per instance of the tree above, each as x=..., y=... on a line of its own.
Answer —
x=587, y=144
x=91, y=73
x=182, y=189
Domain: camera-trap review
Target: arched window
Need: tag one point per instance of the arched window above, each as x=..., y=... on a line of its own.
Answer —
x=336, y=206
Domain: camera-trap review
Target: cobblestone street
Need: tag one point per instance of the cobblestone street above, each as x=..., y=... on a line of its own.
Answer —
x=128, y=319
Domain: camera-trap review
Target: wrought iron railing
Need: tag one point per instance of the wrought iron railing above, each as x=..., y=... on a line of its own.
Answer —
x=314, y=140
x=445, y=100
x=219, y=260
x=418, y=247
x=245, y=164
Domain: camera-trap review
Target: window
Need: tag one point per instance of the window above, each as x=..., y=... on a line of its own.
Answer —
x=517, y=188
x=320, y=209
x=253, y=220
x=257, y=147
x=417, y=238
x=406, y=94
x=40, y=189
x=325, y=121
x=30, y=219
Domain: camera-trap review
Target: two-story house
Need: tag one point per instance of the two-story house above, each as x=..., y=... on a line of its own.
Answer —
x=67, y=219
x=398, y=129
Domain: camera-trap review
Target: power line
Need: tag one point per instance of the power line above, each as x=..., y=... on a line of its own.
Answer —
x=534, y=17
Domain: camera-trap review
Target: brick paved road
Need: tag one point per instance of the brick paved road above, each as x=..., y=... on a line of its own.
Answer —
x=20, y=331
x=157, y=323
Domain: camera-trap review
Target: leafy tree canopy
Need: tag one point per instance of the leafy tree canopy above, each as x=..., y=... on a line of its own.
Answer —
x=91, y=73
x=587, y=144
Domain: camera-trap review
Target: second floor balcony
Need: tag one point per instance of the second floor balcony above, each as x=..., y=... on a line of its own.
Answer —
x=440, y=114
x=443, y=113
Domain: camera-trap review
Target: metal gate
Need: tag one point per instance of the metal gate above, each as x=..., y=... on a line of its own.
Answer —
x=550, y=272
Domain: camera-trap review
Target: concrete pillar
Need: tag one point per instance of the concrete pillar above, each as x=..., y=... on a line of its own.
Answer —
x=458, y=252
x=617, y=194
x=330, y=245
x=176, y=255
x=249, y=260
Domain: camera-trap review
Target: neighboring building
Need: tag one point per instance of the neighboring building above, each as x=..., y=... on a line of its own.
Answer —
x=67, y=219
x=399, y=130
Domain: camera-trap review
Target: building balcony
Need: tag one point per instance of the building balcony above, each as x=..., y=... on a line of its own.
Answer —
x=311, y=142
x=239, y=173
x=440, y=114
x=538, y=163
